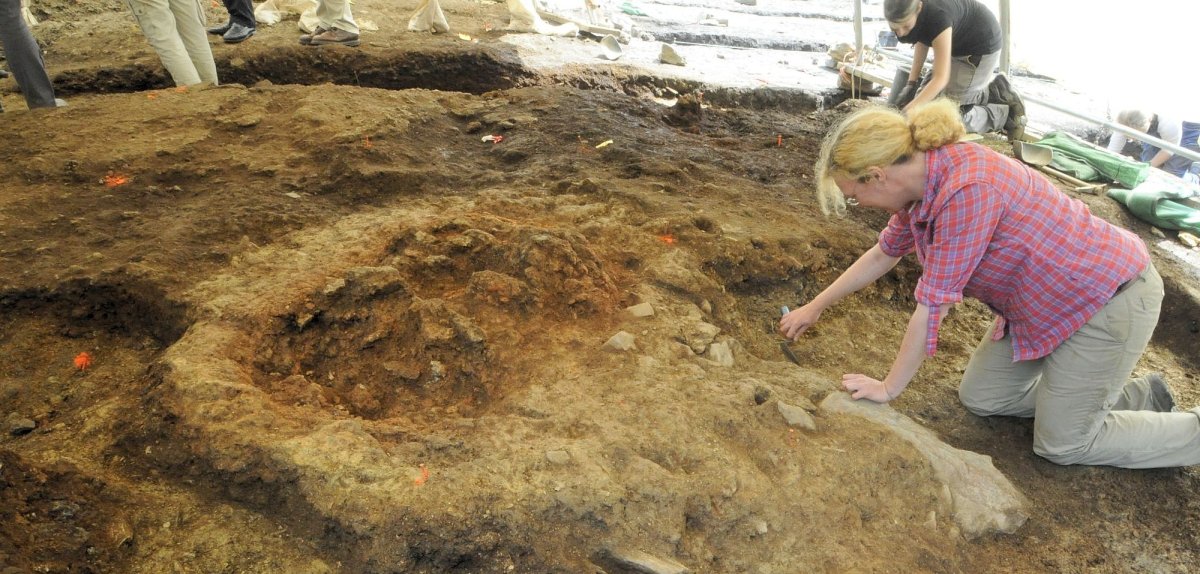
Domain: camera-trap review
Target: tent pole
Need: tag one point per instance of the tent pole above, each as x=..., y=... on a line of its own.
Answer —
x=1005, y=36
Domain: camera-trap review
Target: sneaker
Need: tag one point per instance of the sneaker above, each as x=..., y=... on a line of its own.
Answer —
x=306, y=39
x=238, y=33
x=220, y=30
x=1160, y=393
x=335, y=36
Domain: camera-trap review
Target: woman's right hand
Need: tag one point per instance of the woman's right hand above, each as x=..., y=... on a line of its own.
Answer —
x=798, y=321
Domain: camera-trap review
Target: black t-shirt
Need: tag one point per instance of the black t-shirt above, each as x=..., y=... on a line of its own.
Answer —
x=976, y=31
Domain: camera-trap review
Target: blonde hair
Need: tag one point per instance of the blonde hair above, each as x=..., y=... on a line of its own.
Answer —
x=1137, y=119
x=879, y=136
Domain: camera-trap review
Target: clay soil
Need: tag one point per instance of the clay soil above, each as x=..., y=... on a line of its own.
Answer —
x=331, y=330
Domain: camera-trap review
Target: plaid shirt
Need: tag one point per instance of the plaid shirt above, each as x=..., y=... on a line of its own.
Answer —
x=991, y=228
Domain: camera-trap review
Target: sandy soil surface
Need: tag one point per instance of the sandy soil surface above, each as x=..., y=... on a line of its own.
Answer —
x=330, y=329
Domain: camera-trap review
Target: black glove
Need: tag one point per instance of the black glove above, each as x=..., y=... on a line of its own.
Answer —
x=906, y=95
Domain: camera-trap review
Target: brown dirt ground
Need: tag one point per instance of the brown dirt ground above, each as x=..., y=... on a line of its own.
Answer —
x=333, y=331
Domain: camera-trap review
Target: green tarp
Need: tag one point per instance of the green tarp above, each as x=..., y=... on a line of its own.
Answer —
x=1153, y=195
x=1155, y=201
x=1089, y=163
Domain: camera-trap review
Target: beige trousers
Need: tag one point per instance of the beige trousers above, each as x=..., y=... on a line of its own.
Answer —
x=175, y=29
x=336, y=14
x=1085, y=408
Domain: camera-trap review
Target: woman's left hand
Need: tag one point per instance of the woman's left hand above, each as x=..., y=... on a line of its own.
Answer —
x=864, y=387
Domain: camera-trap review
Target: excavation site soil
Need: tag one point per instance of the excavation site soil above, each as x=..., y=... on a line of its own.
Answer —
x=328, y=328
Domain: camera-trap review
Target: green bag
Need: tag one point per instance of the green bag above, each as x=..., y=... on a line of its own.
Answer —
x=1069, y=151
x=1167, y=202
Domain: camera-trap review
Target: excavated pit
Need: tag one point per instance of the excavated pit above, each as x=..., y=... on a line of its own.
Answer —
x=382, y=341
x=470, y=68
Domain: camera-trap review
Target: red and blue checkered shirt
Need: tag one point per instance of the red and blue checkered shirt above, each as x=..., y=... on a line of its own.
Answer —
x=991, y=228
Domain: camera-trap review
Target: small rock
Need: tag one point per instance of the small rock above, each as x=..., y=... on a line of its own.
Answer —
x=1157, y=232
x=700, y=335
x=670, y=56
x=796, y=416
x=333, y=286
x=643, y=563
x=640, y=310
x=119, y=533
x=19, y=426
x=436, y=371
x=248, y=120
x=63, y=510
x=558, y=456
x=1188, y=239
x=721, y=353
x=760, y=527
x=622, y=341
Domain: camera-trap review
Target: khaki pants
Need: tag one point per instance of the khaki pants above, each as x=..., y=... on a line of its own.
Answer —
x=175, y=29
x=1085, y=408
x=968, y=85
x=336, y=14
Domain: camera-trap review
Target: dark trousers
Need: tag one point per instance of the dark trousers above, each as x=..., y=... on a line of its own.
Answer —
x=241, y=12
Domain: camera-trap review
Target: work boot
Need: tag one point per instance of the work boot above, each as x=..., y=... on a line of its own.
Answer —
x=1000, y=91
x=335, y=36
x=306, y=39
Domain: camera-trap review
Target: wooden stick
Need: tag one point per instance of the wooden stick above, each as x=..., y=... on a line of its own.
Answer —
x=1079, y=184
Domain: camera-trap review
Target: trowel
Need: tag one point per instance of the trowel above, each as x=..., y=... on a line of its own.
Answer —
x=785, y=345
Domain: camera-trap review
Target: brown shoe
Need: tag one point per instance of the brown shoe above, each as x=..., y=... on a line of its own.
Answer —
x=306, y=39
x=335, y=36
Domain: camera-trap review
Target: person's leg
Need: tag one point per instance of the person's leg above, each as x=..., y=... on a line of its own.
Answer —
x=189, y=21
x=222, y=28
x=158, y=25
x=24, y=57
x=1148, y=393
x=995, y=385
x=241, y=12
x=969, y=81
x=1085, y=378
x=984, y=118
x=335, y=15
x=1001, y=92
x=1178, y=165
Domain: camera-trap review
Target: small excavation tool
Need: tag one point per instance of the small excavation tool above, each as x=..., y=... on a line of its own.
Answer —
x=783, y=345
